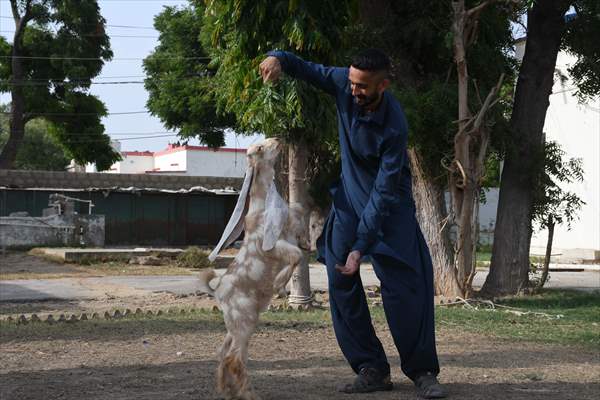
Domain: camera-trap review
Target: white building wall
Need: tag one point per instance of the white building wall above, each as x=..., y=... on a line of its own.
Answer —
x=576, y=127
x=216, y=163
x=173, y=161
x=132, y=164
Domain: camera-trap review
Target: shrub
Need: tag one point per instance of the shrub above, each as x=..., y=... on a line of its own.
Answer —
x=193, y=257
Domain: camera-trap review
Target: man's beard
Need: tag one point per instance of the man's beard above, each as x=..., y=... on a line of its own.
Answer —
x=365, y=101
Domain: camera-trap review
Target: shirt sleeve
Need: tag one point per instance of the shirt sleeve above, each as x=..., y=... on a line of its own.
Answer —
x=384, y=193
x=328, y=79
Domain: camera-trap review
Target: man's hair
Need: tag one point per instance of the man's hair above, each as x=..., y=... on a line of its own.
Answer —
x=373, y=60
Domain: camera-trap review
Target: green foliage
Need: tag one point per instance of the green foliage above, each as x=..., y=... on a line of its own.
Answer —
x=417, y=37
x=552, y=203
x=221, y=88
x=39, y=150
x=193, y=257
x=239, y=33
x=180, y=81
x=578, y=40
x=72, y=32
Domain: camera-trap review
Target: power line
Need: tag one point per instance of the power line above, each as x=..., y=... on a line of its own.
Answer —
x=100, y=140
x=112, y=59
x=123, y=1
x=109, y=36
x=78, y=114
x=110, y=26
x=25, y=83
x=85, y=79
x=78, y=81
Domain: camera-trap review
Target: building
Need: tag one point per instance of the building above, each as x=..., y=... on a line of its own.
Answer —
x=182, y=160
x=137, y=209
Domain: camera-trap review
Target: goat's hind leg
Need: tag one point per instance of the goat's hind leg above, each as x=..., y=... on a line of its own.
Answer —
x=222, y=375
x=233, y=375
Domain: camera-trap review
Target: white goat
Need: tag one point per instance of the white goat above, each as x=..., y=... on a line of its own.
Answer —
x=263, y=265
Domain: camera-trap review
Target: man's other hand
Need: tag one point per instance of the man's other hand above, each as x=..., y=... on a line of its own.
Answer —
x=270, y=69
x=352, y=264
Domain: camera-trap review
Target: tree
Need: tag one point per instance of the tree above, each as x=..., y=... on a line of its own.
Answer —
x=215, y=83
x=57, y=48
x=418, y=37
x=180, y=81
x=547, y=32
x=467, y=168
x=39, y=150
x=239, y=34
x=553, y=205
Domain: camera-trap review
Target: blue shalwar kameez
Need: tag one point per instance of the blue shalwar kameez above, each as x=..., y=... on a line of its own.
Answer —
x=373, y=211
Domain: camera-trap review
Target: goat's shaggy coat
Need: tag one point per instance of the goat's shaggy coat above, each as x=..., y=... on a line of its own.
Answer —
x=248, y=285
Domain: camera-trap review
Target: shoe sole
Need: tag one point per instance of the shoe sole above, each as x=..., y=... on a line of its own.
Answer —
x=352, y=390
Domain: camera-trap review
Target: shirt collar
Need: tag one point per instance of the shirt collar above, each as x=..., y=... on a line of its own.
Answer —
x=378, y=116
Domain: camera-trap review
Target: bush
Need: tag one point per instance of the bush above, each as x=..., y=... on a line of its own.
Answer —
x=193, y=257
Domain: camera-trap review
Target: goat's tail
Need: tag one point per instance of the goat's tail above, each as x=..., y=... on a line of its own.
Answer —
x=205, y=277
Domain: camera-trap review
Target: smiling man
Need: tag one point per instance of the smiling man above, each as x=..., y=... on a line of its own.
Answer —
x=373, y=213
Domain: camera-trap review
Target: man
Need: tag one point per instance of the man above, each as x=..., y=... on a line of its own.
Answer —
x=372, y=214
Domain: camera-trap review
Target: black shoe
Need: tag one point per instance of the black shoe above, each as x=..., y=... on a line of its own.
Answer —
x=368, y=380
x=428, y=387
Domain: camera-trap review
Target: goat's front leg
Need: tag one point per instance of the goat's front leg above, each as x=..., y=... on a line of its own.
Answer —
x=286, y=253
x=289, y=256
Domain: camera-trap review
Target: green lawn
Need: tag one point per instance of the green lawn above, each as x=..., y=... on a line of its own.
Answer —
x=553, y=316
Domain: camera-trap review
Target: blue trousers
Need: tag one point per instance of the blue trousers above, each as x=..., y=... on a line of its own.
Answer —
x=407, y=294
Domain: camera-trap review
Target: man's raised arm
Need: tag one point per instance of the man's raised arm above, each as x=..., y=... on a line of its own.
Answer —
x=329, y=79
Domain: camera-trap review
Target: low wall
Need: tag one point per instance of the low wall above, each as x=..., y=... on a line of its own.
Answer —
x=84, y=180
x=55, y=230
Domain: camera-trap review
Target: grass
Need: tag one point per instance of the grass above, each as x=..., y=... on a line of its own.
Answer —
x=485, y=257
x=579, y=323
x=573, y=318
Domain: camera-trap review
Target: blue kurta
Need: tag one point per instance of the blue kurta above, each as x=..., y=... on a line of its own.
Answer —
x=373, y=211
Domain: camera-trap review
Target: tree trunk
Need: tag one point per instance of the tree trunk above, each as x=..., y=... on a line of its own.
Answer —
x=470, y=149
x=524, y=158
x=546, y=267
x=462, y=186
x=17, y=106
x=431, y=214
x=298, y=190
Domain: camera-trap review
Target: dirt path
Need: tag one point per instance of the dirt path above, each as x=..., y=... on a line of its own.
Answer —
x=143, y=360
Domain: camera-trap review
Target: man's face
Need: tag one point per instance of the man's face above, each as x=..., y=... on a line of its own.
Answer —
x=367, y=86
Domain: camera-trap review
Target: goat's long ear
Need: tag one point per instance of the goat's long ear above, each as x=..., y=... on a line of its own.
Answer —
x=235, y=226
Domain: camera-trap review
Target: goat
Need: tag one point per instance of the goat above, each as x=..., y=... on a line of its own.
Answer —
x=264, y=264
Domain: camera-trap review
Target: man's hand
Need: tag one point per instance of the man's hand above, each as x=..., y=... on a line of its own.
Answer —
x=352, y=264
x=270, y=69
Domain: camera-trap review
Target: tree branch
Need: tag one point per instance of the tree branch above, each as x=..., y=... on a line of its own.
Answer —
x=475, y=11
x=20, y=21
x=488, y=103
x=15, y=10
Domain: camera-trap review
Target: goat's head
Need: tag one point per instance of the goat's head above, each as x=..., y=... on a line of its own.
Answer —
x=264, y=153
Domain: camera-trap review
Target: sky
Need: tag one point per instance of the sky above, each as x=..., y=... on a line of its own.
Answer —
x=133, y=129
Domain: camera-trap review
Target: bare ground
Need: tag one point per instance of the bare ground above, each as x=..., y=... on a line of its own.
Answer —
x=143, y=359
x=175, y=359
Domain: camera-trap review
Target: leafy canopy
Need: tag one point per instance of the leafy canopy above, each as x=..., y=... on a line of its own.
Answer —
x=70, y=46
